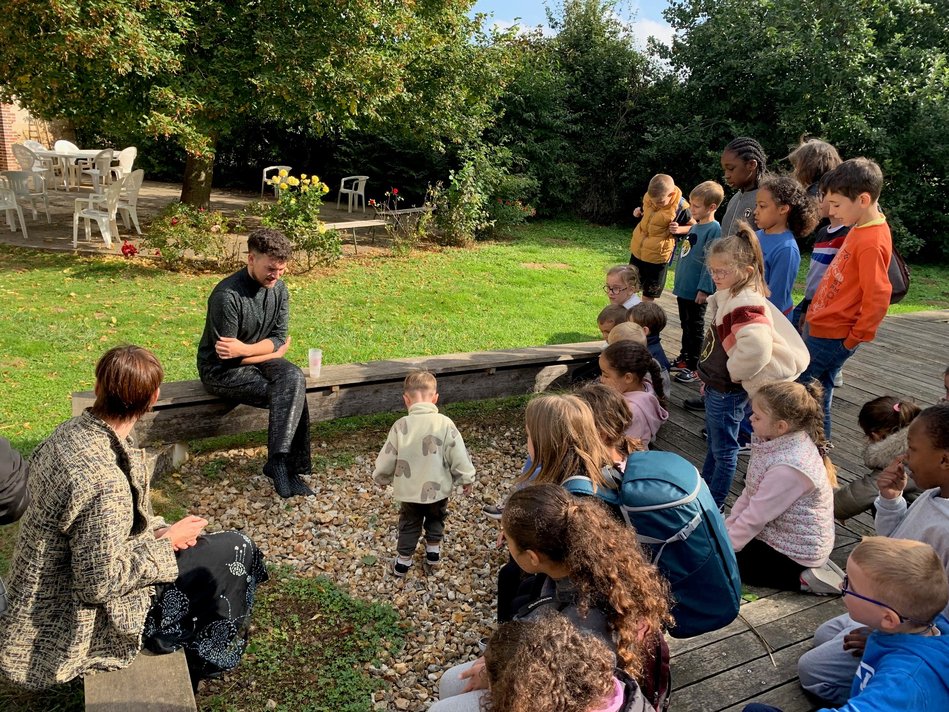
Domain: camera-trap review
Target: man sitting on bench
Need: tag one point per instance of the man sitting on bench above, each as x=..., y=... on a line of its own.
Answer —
x=240, y=356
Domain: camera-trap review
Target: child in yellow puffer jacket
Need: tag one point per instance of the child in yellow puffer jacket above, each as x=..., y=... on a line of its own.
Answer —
x=665, y=214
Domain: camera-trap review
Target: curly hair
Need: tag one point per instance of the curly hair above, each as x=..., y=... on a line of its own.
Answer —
x=612, y=417
x=631, y=357
x=801, y=406
x=546, y=665
x=270, y=242
x=935, y=421
x=802, y=213
x=604, y=559
x=566, y=443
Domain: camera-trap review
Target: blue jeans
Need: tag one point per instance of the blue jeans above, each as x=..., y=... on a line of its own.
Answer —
x=723, y=415
x=827, y=358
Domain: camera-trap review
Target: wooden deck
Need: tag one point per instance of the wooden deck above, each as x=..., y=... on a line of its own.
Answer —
x=727, y=669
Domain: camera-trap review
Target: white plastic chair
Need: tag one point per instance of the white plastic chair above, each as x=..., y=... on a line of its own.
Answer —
x=9, y=204
x=28, y=160
x=126, y=158
x=129, y=198
x=100, y=170
x=29, y=185
x=265, y=176
x=104, y=215
x=70, y=169
x=34, y=145
x=355, y=192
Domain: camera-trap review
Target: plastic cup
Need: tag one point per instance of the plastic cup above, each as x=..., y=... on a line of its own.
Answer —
x=316, y=362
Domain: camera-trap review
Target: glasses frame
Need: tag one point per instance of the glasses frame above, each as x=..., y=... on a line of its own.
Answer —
x=614, y=290
x=722, y=271
x=845, y=590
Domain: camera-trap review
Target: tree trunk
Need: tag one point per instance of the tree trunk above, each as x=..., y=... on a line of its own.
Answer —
x=196, y=184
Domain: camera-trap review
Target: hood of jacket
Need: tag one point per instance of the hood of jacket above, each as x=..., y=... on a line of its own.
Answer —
x=922, y=659
x=878, y=455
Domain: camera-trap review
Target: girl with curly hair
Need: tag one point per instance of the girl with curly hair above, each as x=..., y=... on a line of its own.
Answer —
x=784, y=213
x=590, y=568
x=552, y=666
x=562, y=442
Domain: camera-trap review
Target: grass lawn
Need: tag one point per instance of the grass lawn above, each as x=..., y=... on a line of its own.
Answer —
x=60, y=311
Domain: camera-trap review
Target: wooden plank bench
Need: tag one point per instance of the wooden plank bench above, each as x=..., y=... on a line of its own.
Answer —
x=152, y=683
x=185, y=411
x=355, y=225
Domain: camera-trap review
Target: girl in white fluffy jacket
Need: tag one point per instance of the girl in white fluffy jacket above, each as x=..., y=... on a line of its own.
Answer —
x=748, y=343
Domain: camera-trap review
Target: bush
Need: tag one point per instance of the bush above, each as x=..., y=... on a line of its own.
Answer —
x=296, y=213
x=183, y=234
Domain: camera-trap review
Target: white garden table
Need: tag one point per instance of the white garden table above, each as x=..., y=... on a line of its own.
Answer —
x=65, y=158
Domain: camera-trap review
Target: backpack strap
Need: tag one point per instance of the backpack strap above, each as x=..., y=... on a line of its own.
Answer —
x=583, y=485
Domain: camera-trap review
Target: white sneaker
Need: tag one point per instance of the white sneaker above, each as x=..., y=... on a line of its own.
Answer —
x=826, y=580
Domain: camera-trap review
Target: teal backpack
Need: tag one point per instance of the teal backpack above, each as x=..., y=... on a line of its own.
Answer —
x=664, y=498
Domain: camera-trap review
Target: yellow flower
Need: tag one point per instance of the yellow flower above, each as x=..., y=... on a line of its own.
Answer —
x=293, y=181
x=303, y=176
x=304, y=189
x=305, y=181
x=324, y=188
x=283, y=174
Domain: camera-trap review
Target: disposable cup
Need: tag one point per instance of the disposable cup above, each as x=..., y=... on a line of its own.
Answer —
x=316, y=362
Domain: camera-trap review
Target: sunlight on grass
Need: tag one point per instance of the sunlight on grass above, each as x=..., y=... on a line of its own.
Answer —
x=62, y=311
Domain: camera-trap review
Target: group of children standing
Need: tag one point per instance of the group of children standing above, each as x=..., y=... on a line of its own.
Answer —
x=568, y=555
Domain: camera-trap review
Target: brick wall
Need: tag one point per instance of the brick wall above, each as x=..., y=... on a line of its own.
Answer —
x=7, y=137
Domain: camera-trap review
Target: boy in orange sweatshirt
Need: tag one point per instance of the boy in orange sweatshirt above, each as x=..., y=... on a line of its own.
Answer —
x=854, y=294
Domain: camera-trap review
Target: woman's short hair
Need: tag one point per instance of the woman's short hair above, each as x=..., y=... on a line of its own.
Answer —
x=126, y=379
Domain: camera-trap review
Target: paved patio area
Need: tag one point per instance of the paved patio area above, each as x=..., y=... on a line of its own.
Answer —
x=152, y=199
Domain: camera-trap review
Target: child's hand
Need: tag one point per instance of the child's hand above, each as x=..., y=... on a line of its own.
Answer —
x=466, y=489
x=677, y=229
x=638, y=213
x=476, y=675
x=856, y=640
x=892, y=480
x=701, y=297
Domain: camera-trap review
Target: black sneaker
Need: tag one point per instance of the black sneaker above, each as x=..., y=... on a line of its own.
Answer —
x=400, y=569
x=679, y=364
x=696, y=404
x=433, y=558
x=686, y=376
x=493, y=511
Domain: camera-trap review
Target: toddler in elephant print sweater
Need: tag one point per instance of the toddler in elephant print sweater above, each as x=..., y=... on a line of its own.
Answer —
x=423, y=458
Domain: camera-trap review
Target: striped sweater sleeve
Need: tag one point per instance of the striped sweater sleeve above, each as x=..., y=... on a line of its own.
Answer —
x=747, y=338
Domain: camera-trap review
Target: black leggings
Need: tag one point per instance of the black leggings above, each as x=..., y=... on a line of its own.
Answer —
x=760, y=565
x=279, y=386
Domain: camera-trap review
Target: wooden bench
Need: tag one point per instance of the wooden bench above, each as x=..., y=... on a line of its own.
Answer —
x=354, y=225
x=152, y=683
x=186, y=411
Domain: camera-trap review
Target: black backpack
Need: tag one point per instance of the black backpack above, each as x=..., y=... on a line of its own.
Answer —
x=898, y=274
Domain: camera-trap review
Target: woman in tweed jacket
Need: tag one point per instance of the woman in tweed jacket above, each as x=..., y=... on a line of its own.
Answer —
x=95, y=576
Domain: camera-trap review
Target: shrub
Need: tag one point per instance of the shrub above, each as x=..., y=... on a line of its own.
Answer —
x=183, y=234
x=296, y=213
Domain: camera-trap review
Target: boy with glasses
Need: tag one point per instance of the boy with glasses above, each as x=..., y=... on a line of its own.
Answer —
x=897, y=588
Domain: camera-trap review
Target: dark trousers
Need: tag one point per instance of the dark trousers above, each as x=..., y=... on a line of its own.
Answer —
x=692, y=318
x=652, y=277
x=279, y=386
x=415, y=517
x=760, y=565
x=207, y=609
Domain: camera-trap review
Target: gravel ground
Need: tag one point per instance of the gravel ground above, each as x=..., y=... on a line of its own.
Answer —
x=347, y=532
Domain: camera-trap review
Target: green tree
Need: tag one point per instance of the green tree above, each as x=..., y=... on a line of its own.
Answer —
x=870, y=76
x=193, y=70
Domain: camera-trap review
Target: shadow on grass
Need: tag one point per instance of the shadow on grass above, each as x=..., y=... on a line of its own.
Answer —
x=62, y=698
